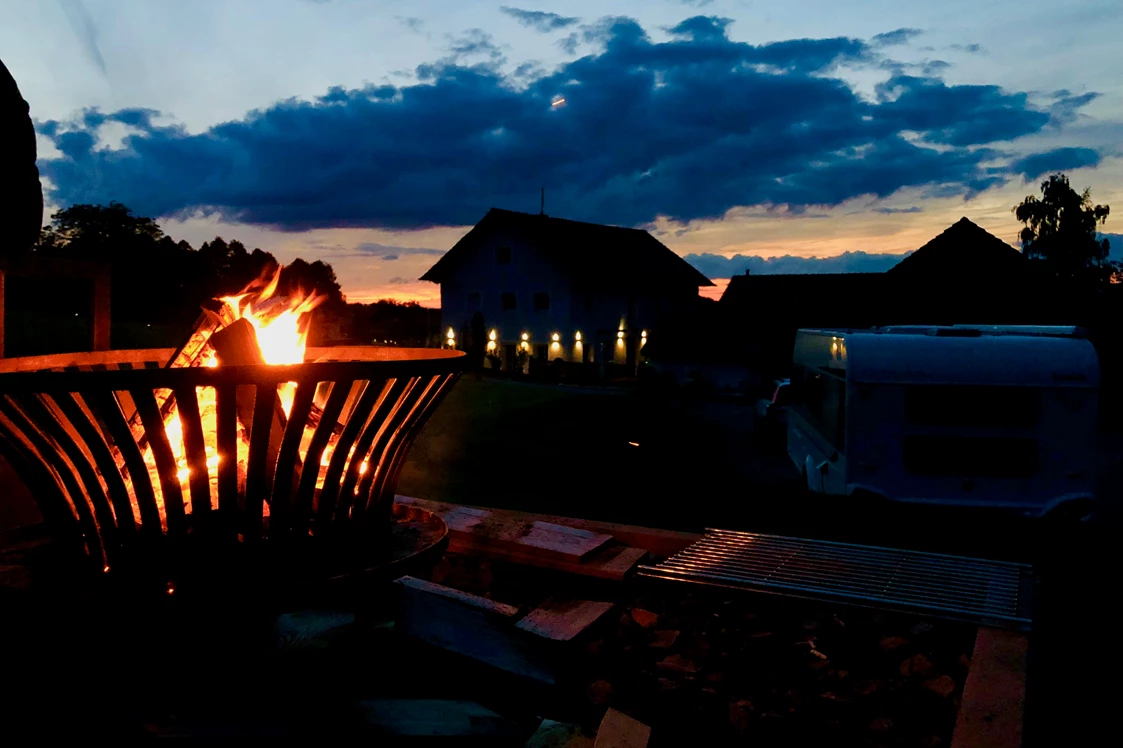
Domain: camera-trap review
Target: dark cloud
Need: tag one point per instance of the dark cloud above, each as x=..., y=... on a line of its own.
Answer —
x=686, y=128
x=83, y=26
x=568, y=44
x=895, y=211
x=383, y=252
x=397, y=280
x=1115, y=242
x=895, y=37
x=1058, y=159
x=696, y=3
x=1066, y=106
x=720, y=266
x=539, y=20
x=411, y=22
x=973, y=49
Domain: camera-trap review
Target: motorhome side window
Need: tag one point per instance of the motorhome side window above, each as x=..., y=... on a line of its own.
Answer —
x=821, y=396
x=969, y=405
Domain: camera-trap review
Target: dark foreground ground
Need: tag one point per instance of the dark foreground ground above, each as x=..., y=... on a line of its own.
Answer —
x=682, y=464
x=624, y=456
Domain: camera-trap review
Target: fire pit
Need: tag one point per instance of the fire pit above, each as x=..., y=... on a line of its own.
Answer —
x=153, y=458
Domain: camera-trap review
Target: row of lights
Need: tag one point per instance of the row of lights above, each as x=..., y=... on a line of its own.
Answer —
x=555, y=338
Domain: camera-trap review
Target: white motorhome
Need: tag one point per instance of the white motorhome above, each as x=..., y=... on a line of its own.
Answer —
x=988, y=416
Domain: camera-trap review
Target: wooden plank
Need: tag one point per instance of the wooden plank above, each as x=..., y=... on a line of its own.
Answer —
x=614, y=563
x=618, y=730
x=991, y=711
x=470, y=626
x=464, y=598
x=656, y=541
x=531, y=537
x=436, y=718
x=563, y=620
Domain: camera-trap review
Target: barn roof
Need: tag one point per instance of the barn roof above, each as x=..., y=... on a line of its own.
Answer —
x=604, y=255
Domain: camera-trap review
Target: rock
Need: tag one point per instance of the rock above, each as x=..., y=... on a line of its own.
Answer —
x=760, y=634
x=943, y=686
x=923, y=627
x=892, y=643
x=866, y=687
x=664, y=639
x=917, y=665
x=599, y=692
x=645, y=618
x=551, y=734
x=842, y=674
x=832, y=696
x=740, y=715
x=311, y=630
x=715, y=677
x=666, y=684
x=881, y=724
x=817, y=653
x=677, y=664
x=810, y=625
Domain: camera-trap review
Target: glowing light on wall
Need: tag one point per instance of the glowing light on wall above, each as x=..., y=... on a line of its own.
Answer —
x=493, y=335
x=491, y=346
x=577, y=337
x=555, y=337
x=525, y=345
x=620, y=335
x=451, y=334
x=526, y=336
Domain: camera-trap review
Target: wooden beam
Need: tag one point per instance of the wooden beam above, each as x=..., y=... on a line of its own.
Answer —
x=471, y=626
x=618, y=730
x=563, y=620
x=658, y=542
x=991, y=711
x=433, y=719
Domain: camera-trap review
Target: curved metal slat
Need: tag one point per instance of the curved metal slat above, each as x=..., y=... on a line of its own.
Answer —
x=258, y=477
x=385, y=447
x=390, y=393
x=53, y=458
x=226, y=437
x=380, y=501
x=310, y=472
x=194, y=450
x=93, y=492
x=164, y=458
x=43, y=483
x=341, y=453
x=95, y=443
x=281, y=505
x=104, y=405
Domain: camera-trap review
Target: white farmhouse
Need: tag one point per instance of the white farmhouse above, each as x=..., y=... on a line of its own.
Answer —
x=562, y=289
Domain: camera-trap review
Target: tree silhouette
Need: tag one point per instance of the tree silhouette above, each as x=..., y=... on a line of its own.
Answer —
x=1060, y=232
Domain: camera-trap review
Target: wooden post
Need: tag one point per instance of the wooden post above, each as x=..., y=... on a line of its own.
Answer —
x=3, y=275
x=100, y=312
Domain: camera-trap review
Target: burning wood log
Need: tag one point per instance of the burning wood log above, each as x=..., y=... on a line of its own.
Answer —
x=236, y=345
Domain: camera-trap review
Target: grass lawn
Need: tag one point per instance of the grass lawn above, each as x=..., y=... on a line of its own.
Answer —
x=602, y=453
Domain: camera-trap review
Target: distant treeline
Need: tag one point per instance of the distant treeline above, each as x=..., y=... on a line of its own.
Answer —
x=159, y=284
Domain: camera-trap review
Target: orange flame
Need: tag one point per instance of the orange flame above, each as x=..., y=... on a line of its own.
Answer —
x=281, y=324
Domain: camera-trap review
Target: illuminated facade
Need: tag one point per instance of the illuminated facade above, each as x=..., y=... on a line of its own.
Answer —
x=561, y=289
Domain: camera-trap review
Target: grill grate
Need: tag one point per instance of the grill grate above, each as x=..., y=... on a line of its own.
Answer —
x=969, y=589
